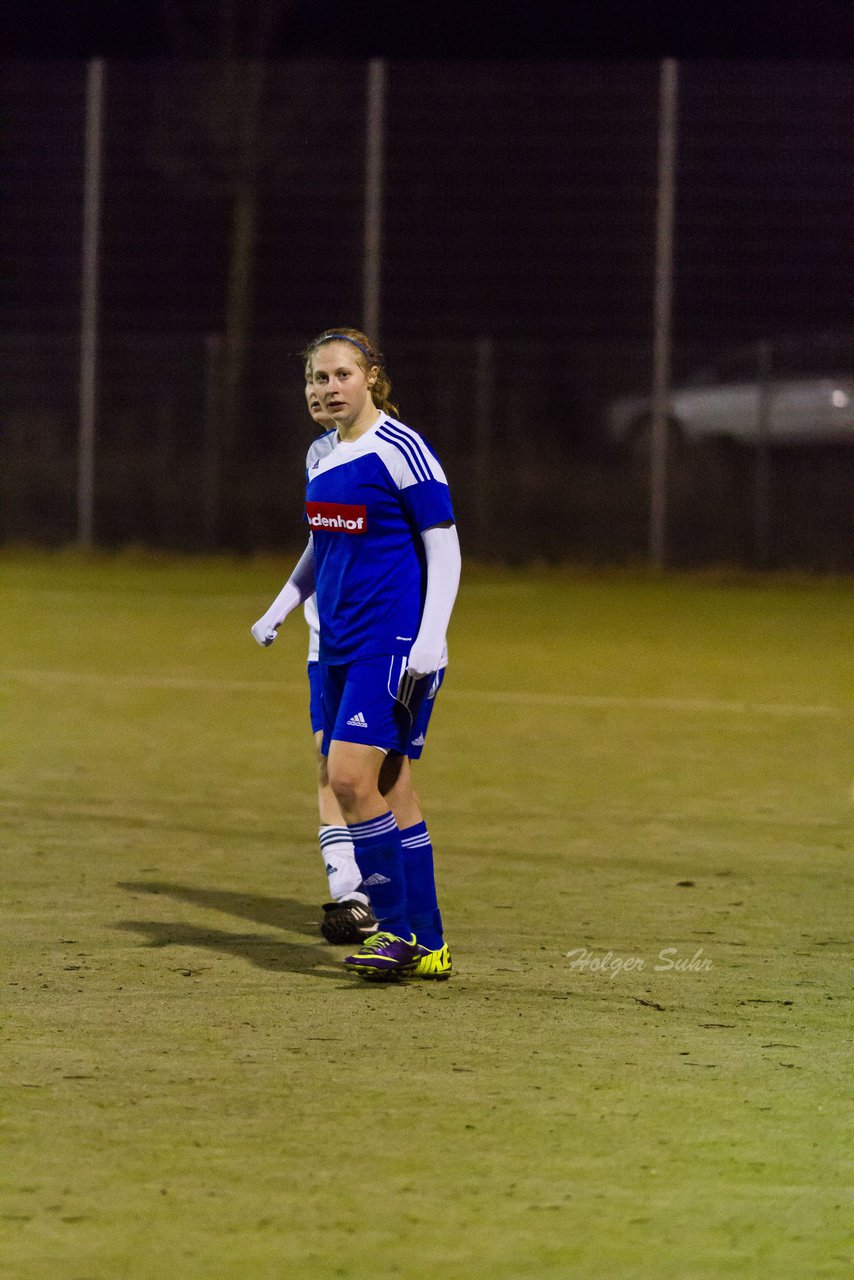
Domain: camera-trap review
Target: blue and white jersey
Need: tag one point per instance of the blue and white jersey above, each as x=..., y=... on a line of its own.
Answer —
x=367, y=503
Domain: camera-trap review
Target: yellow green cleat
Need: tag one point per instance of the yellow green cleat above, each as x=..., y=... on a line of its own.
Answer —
x=434, y=964
x=384, y=957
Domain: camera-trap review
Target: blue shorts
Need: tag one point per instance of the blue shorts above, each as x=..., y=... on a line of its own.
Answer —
x=359, y=704
x=422, y=716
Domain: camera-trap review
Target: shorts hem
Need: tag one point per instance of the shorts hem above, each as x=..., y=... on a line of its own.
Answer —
x=360, y=742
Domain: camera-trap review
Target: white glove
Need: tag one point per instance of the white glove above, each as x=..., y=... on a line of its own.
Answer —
x=298, y=587
x=266, y=629
x=424, y=657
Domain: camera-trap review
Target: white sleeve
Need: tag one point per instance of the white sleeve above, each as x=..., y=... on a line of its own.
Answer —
x=299, y=586
x=442, y=547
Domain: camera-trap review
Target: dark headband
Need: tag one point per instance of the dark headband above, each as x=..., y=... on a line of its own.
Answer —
x=342, y=337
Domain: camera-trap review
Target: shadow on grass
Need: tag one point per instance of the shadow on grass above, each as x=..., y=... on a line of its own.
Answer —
x=264, y=950
x=281, y=913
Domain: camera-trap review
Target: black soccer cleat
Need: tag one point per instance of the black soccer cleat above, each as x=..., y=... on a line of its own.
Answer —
x=348, y=921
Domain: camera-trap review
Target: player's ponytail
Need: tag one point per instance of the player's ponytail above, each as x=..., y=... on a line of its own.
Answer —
x=369, y=357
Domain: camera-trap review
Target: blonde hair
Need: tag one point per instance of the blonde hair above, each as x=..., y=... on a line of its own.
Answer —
x=369, y=357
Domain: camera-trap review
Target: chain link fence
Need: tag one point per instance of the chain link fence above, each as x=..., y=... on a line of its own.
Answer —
x=517, y=304
x=536, y=469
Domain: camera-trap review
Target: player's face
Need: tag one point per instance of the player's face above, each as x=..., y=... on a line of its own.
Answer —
x=312, y=399
x=342, y=386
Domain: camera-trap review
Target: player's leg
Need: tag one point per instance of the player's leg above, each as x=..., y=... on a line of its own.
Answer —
x=418, y=868
x=348, y=917
x=418, y=863
x=366, y=728
x=354, y=772
x=336, y=847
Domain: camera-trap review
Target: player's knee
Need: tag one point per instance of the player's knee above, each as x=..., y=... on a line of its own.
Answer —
x=351, y=787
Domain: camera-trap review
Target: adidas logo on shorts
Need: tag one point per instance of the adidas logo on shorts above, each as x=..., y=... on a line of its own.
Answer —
x=377, y=878
x=358, y=721
x=419, y=741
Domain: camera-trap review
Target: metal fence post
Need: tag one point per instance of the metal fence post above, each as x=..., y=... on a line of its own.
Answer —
x=483, y=437
x=89, y=303
x=762, y=472
x=662, y=309
x=212, y=445
x=374, y=143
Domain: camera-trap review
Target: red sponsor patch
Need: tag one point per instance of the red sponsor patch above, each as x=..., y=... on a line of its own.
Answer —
x=336, y=517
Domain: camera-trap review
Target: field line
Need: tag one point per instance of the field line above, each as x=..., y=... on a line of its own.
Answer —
x=497, y=696
x=652, y=704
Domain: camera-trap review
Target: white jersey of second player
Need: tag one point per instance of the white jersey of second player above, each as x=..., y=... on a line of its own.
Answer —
x=309, y=608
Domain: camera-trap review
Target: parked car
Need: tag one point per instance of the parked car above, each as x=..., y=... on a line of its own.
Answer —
x=808, y=394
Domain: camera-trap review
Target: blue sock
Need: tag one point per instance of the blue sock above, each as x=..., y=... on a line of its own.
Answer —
x=421, y=897
x=376, y=844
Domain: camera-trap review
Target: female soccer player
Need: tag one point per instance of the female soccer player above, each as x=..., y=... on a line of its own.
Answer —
x=384, y=558
x=348, y=917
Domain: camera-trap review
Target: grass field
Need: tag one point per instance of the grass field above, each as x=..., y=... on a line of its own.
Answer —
x=192, y=1088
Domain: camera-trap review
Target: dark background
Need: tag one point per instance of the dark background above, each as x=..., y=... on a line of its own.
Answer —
x=520, y=198
x=519, y=206
x=449, y=29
